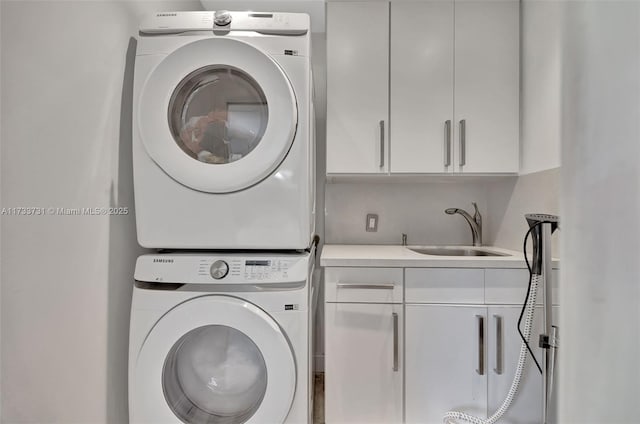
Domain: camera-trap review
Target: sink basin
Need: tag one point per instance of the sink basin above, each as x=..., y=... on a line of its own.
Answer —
x=455, y=251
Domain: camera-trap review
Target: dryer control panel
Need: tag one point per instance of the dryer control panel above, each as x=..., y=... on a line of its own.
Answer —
x=223, y=268
x=291, y=24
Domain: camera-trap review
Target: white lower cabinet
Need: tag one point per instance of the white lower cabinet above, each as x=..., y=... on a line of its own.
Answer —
x=503, y=353
x=460, y=345
x=363, y=345
x=444, y=368
x=464, y=358
x=462, y=354
x=363, y=378
x=527, y=405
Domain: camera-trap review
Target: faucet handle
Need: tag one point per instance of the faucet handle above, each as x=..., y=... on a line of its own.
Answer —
x=476, y=216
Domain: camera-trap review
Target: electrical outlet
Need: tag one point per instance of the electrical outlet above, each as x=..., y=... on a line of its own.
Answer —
x=372, y=223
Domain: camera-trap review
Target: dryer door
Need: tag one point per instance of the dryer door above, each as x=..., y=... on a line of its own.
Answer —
x=215, y=359
x=218, y=115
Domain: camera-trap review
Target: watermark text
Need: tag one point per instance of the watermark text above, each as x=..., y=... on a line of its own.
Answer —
x=60, y=211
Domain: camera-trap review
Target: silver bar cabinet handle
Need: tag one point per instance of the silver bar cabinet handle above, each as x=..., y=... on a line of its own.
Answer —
x=480, y=369
x=395, y=341
x=463, y=142
x=447, y=142
x=381, y=144
x=499, y=353
x=383, y=286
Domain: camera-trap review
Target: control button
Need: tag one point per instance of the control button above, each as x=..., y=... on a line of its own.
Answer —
x=219, y=269
x=222, y=17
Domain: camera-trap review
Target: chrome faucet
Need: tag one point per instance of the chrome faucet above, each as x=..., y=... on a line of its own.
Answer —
x=475, y=222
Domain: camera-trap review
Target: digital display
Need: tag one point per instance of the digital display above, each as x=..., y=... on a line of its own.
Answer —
x=257, y=263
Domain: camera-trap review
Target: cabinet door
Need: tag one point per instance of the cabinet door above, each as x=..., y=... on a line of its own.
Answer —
x=504, y=350
x=421, y=86
x=446, y=363
x=363, y=363
x=357, y=87
x=487, y=86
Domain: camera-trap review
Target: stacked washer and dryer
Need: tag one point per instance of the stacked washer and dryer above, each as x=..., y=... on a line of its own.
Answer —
x=224, y=179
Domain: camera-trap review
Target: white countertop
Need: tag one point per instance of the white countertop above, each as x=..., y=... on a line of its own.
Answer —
x=401, y=257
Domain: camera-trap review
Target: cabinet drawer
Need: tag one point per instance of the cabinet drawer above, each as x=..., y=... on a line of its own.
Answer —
x=370, y=285
x=444, y=285
x=509, y=286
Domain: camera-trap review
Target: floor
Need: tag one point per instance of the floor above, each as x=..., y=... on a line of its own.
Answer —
x=318, y=399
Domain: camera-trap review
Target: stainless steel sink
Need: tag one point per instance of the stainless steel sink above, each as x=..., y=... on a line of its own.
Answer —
x=455, y=251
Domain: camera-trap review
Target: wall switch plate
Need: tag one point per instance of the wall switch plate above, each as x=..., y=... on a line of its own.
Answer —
x=372, y=223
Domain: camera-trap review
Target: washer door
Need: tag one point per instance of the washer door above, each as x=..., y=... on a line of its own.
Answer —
x=218, y=115
x=215, y=359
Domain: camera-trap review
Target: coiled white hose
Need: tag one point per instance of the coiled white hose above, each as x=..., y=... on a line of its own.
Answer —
x=451, y=416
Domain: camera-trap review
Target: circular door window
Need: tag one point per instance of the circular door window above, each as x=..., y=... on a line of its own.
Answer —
x=214, y=359
x=214, y=374
x=218, y=114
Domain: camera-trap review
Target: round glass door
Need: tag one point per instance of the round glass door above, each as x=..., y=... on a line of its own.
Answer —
x=214, y=359
x=214, y=374
x=217, y=115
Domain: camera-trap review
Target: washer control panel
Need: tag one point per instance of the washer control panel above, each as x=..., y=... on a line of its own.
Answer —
x=249, y=270
x=227, y=269
x=265, y=269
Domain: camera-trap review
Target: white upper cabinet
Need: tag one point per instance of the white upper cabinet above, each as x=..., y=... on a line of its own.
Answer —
x=487, y=82
x=421, y=93
x=443, y=73
x=357, y=87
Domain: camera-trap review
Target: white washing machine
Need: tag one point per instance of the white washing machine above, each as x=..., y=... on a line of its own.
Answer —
x=222, y=338
x=223, y=131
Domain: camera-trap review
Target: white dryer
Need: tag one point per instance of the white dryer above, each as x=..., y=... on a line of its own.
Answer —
x=223, y=131
x=221, y=338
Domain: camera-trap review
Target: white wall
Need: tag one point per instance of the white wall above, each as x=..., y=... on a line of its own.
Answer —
x=600, y=192
x=1, y=205
x=541, y=59
x=65, y=142
x=510, y=199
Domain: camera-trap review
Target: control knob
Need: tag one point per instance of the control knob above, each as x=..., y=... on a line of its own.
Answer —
x=222, y=18
x=219, y=269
